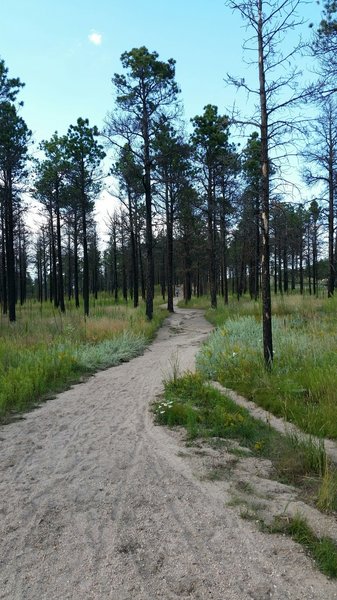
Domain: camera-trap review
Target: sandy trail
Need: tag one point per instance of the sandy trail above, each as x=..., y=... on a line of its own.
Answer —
x=97, y=502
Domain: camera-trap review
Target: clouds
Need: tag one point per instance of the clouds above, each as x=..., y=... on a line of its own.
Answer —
x=95, y=38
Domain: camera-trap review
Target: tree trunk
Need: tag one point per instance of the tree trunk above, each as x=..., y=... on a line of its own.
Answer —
x=59, y=254
x=53, y=287
x=141, y=270
x=76, y=284
x=331, y=279
x=10, y=260
x=148, y=215
x=211, y=240
x=134, y=253
x=293, y=285
x=169, y=238
x=309, y=263
x=4, y=268
x=70, y=276
x=44, y=265
x=85, y=290
x=257, y=250
x=114, y=258
x=314, y=260
x=223, y=234
x=301, y=267
x=124, y=277
x=265, y=257
x=285, y=268
x=275, y=268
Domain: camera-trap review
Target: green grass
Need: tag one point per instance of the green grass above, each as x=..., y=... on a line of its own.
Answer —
x=281, y=305
x=322, y=550
x=303, y=381
x=204, y=412
x=207, y=413
x=44, y=350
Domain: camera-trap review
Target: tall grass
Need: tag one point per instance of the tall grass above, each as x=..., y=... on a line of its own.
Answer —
x=302, y=385
x=45, y=350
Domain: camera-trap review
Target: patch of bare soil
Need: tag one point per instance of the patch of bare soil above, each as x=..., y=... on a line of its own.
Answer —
x=97, y=502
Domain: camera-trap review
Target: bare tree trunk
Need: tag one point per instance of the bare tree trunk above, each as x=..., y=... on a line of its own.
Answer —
x=124, y=277
x=115, y=273
x=331, y=279
x=211, y=241
x=70, y=275
x=148, y=216
x=10, y=260
x=85, y=290
x=301, y=267
x=265, y=257
x=134, y=252
x=293, y=285
x=169, y=237
x=59, y=254
x=44, y=264
x=76, y=285
x=257, y=250
x=4, y=269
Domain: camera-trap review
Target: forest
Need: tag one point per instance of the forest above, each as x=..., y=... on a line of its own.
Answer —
x=216, y=271
x=196, y=210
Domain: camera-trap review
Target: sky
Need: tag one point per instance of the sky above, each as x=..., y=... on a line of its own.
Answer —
x=66, y=52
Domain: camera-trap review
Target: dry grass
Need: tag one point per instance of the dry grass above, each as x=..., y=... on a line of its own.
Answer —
x=44, y=349
x=103, y=328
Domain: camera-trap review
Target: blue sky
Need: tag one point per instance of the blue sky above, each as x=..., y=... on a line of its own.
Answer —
x=66, y=52
x=46, y=43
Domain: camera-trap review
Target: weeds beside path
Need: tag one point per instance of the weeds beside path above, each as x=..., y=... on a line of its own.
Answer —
x=281, y=481
x=277, y=423
x=45, y=351
x=302, y=384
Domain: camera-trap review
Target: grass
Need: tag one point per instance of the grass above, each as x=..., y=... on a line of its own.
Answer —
x=44, y=350
x=206, y=413
x=323, y=550
x=302, y=384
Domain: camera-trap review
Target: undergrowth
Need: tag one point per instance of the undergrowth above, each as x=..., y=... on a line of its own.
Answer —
x=45, y=350
x=206, y=413
x=323, y=550
x=301, y=386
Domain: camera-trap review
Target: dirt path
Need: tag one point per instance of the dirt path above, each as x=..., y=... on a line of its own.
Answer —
x=97, y=502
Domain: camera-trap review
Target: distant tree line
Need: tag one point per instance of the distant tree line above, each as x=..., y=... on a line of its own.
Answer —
x=194, y=208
